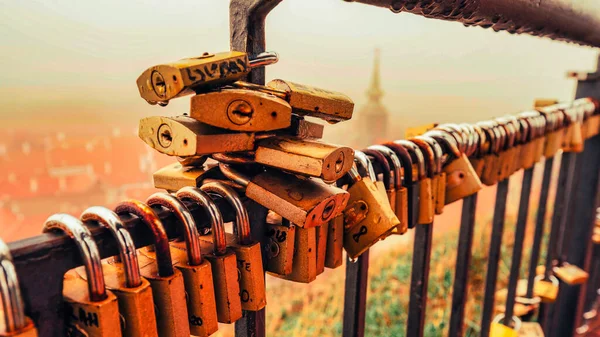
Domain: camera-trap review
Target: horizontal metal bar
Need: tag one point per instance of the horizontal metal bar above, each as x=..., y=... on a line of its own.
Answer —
x=567, y=20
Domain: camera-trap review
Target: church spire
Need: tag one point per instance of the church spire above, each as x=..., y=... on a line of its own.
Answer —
x=374, y=92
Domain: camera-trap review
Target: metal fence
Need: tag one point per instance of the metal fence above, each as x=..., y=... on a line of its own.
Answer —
x=42, y=261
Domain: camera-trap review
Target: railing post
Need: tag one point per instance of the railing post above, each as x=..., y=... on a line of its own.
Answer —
x=419, y=280
x=355, y=296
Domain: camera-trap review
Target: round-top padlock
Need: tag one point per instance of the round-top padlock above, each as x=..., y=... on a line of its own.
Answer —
x=10, y=295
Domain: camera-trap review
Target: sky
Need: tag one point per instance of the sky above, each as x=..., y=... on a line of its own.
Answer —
x=67, y=61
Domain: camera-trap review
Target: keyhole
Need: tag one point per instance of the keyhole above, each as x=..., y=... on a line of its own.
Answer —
x=165, y=136
x=159, y=85
x=339, y=163
x=328, y=209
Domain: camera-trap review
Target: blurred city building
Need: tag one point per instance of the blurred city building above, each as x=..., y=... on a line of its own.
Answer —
x=373, y=117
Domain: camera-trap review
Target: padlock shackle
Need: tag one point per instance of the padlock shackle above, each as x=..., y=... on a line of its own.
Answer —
x=405, y=160
x=263, y=59
x=438, y=153
x=10, y=292
x=416, y=155
x=509, y=133
x=394, y=162
x=386, y=170
x=489, y=140
x=214, y=214
x=127, y=252
x=471, y=136
x=185, y=221
x=363, y=162
x=242, y=220
x=161, y=240
x=447, y=142
x=428, y=154
x=88, y=249
x=456, y=131
x=234, y=175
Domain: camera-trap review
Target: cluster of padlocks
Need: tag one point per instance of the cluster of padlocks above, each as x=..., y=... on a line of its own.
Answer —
x=244, y=141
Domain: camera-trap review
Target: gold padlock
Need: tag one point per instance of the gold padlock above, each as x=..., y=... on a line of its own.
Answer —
x=197, y=272
x=305, y=157
x=546, y=290
x=384, y=186
x=122, y=277
x=161, y=83
x=176, y=175
x=409, y=153
x=184, y=136
x=438, y=182
x=305, y=202
x=247, y=251
x=307, y=100
x=498, y=329
x=280, y=235
x=241, y=110
x=16, y=324
x=426, y=199
x=90, y=308
x=570, y=274
x=168, y=289
x=321, y=234
x=368, y=217
x=334, y=255
x=222, y=259
x=304, y=269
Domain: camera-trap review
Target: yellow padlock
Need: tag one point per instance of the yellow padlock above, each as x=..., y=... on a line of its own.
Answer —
x=90, y=308
x=168, y=288
x=498, y=329
x=546, y=290
x=197, y=273
x=122, y=277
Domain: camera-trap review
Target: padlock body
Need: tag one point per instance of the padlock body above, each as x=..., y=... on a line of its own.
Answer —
x=306, y=157
x=176, y=176
x=334, y=254
x=321, y=247
x=440, y=199
x=136, y=304
x=307, y=100
x=241, y=110
x=226, y=284
x=304, y=202
x=426, y=202
x=571, y=274
x=461, y=180
x=501, y=330
x=305, y=256
x=531, y=329
x=401, y=210
x=279, y=249
x=170, y=303
x=368, y=217
x=545, y=290
x=252, y=279
x=185, y=76
x=96, y=319
x=489, y=176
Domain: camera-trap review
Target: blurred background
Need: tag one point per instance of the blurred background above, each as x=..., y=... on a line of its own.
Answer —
x=70, y=108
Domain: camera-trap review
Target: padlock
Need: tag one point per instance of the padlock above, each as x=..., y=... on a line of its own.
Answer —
x=222, y=259
x=498, y=329
x=405, y=151
x=159, y=84
x=570, y=274
x=168, y=289
x=305, y=202
x=304, y=268
x=247, y=250
x=305, y=157
x=197, y=272
x=122, y=277
x=89, y=307
x=280, y=236
x=303, y=129
x=461, y=179
x=241, y=110
x=184, y=136
x=334, y=255
x=16, y=324
x=321, y=235
x=438, y=182
x=386, y=185
x=400, y=206
x=546, y=289
x=368, y=217
x=315, y=102
x=426, y=197
x=531, y=329
x=176, y=176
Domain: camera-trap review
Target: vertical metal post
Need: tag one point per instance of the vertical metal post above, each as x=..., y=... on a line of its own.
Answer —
x=355, y=296
x=494, y=256
x=419, y=280
x=515, y=265
x=463, y=262
x=247, y=34
x=539, y=225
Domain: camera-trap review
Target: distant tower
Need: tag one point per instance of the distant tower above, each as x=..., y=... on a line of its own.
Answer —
x=373, y=116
